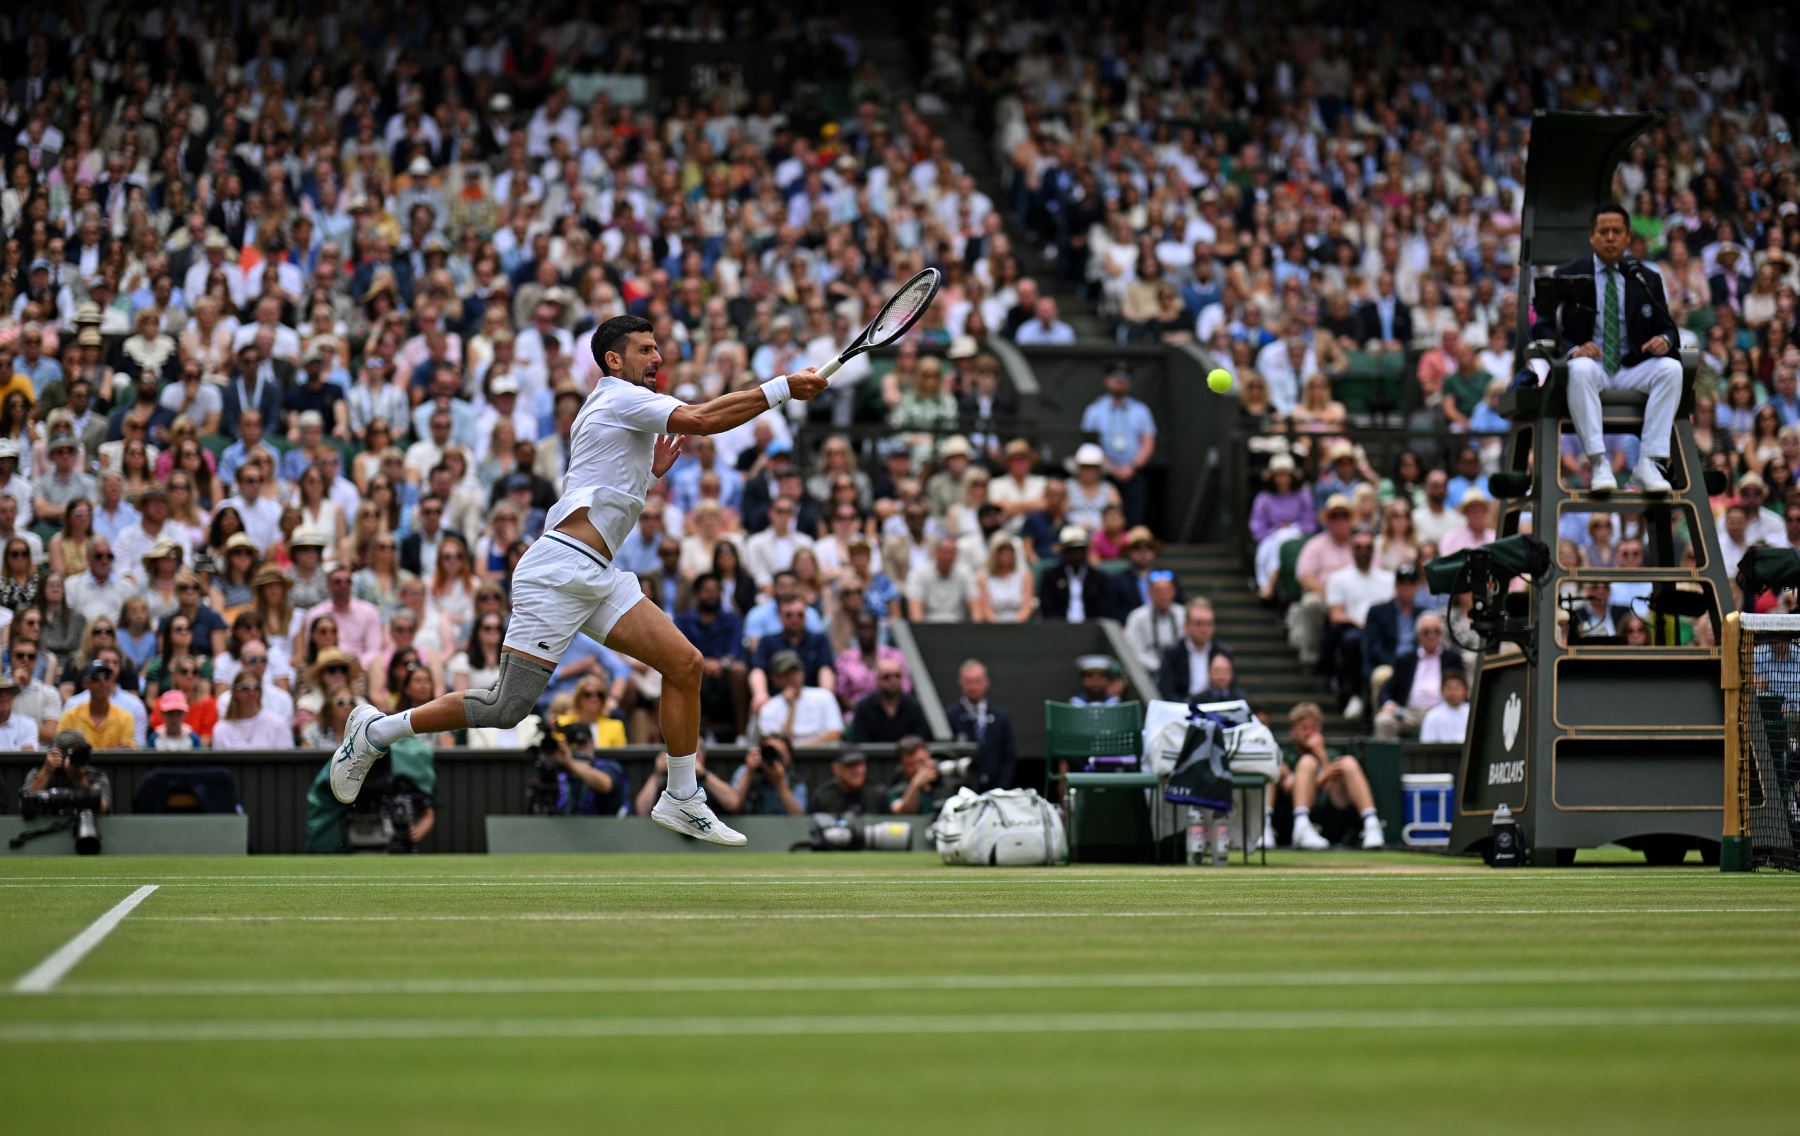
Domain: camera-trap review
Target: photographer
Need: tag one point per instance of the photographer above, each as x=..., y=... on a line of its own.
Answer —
x=848, y=793
x=765, y=783
x=572, y=779
x=915, y=789
x=66, y=767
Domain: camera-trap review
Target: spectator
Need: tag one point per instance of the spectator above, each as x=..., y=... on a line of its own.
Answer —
x=1434, y=519
x=1388, y=630
x=1599, y=617
x=66, y=766
x=806, y=713
x=975, y=718
x=717, y=632
x=1323, y=554
x=1044, y=327
x=1186, y=664
x=942, y=591
x=17, y=731
x=1317, y=771
x=358, y=622
x=1099, y=675
x=1004, y=592
x=772, y=550
x=1477, y=527
x=36, y=700
x=848, y=792
x=1448, y=722
x=765, y=783
x=1281, y=512
x=102, y=722
x=173, y=734
x=184, y=677
x=1221, y=682
x=1019, y=491
x=1090, y=493
x=890, y=712
x=856, y=664
x=1127, y=433
x=915, y=790
x=1155, y=626
x=99, y=591
x=589, y=783
x=719, y=792
x=1417, y=682
x=1069, y=589
x=65, y=483
x=1349, y=594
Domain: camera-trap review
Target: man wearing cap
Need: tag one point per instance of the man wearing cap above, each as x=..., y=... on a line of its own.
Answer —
x=153, y=525
x=848, y=792
x=64, y=483
x=1127, y=433
x=1324, y=552
x=502, y=404
x=250, y=440
x=1098, y=672
x=257, y=381
x=102, y=722
x=1477, y=528
x=808, y=715
x=1069, y=588
x=17, y=732
x=1761, y=526
x=316, y=395
x=1387, y=633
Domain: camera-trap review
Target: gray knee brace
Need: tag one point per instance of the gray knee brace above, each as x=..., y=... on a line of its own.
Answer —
x=513, y=695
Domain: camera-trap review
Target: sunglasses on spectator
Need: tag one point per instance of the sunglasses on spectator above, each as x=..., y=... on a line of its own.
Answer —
x=247, y=688
x=187, y=588
x=24, y=656
x=19, y=552
x=100, y=555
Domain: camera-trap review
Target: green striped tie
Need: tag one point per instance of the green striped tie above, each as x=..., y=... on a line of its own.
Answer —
x=1609, y=335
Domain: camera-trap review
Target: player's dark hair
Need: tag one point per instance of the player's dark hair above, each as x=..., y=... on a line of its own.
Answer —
x=1609, y=207
x=613, y=333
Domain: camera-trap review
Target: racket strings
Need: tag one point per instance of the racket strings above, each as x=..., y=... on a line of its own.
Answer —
x=904, y=308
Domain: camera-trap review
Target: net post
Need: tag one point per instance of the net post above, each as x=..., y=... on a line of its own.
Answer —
x=1734, y=847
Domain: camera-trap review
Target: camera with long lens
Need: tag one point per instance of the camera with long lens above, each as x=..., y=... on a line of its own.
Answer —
x=840, y=834
x=1486, y=573
x=544, y=792
x=383, y=817
x=953, y=774
x=79, y=808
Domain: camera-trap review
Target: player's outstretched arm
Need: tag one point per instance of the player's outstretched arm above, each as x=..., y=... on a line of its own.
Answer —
x=732, y=410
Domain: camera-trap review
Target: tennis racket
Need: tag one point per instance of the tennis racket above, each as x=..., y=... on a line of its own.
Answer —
x=895, y=318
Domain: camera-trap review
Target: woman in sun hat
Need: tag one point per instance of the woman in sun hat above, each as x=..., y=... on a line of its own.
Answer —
x=1282, y=511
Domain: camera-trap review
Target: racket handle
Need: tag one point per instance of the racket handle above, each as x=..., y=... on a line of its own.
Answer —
x=830, y=368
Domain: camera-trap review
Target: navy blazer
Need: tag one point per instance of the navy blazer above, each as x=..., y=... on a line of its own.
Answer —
x=1172, y=676
x=1381, y=635
x=1646, y=312
x=1399, y=687
x=997, y=756
x=1053, y=593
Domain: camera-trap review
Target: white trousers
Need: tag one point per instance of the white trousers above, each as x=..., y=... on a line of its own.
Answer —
x=1658, y=377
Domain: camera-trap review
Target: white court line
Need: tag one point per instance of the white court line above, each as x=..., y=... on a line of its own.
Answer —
x=772, y=984
x=45, y=975
x=830, y=916
x=889, y=1025
x=948, y=878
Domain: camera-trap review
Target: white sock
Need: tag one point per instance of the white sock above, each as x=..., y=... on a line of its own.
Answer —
x=390, y=728
x=682, y=784
x=1368, y=815
x=1302, y=814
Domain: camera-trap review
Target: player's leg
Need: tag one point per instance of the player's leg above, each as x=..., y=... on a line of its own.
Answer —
x=1659, y=378
x=645, y=632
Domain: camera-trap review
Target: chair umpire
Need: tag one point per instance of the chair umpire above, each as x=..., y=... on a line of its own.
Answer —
x=1626, y=341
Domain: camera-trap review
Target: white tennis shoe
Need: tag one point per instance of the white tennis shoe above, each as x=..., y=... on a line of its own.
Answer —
x=1307, y=838
x=694, y=817
x=355, y=755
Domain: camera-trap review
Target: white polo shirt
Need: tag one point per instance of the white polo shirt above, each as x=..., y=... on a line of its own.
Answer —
x=611, y=446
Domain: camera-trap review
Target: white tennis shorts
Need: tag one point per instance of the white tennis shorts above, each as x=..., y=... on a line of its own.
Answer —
x=561, y=587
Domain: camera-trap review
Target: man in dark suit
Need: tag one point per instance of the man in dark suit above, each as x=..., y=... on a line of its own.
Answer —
x=1729, y=284
x=1626, y=341
x=1070, y=575
x=1131, y=586
x=1385, y=322
x=419, y=548
x=259, y=382
x=974, y=718
x=1186, y=665
x=1388, y=630
x=1405, y=698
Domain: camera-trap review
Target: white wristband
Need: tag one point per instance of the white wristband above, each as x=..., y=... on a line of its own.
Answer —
x=776, y=391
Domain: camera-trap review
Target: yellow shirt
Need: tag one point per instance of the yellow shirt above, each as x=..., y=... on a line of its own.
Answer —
x=118, y=731
x=609, y=732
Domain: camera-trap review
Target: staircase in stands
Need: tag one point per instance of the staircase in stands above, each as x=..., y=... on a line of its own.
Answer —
x=1268, y=669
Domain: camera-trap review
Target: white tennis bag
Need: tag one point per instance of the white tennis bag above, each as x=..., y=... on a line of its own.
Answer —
x=999, y=828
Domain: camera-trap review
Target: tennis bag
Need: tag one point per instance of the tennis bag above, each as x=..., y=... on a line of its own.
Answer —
x=999, y=828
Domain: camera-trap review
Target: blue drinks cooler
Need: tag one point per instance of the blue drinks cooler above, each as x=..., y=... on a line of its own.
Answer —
x=1427, y=797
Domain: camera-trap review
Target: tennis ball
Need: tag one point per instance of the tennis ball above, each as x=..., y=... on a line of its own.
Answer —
x=1219, y=380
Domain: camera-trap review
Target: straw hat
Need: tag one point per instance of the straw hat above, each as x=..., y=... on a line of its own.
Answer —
x=1474, y=496
x=1018, y=447
x=1072, y=536
x=1141, y=534
x=1336, y=503
x=1281, y=463
x=271, y=574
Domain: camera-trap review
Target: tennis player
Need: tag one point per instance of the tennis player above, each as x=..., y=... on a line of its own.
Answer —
x=625, y=436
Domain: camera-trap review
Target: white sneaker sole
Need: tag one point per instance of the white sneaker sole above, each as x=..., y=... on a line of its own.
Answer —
x=716, y=832
x=342, y=787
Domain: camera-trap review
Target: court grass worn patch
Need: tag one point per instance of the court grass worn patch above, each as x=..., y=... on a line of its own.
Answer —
x=765, y=993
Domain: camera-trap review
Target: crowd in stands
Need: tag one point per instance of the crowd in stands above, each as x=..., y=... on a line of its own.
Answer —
x=1329, y=195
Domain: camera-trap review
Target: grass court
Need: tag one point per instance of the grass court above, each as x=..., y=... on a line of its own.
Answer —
x=865, y=994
